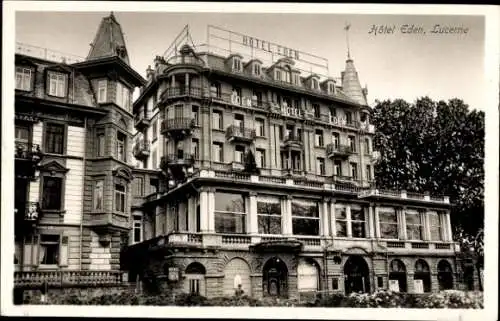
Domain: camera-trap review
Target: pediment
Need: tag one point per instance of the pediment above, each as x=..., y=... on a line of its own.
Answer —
x=123, y=172
x=53, y=166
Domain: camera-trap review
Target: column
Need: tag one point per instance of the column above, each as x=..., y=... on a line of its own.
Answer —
x=348, y=216
x=204, y=216
x=423, y=216
x=252, y=214
x=449, y=236
x=332, y=220
x=324, y=218
x=427, y=228
x=173, y=81
x=272, y=144
x=371, y=225
x=191, y=210
x=377, y=220
x=287, y=216
x=187, y=81
x=402, y=220
x=211, y=210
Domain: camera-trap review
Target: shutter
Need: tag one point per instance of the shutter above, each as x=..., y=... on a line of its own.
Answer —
x=28, y=252
x=63, y=251
x=36, y=245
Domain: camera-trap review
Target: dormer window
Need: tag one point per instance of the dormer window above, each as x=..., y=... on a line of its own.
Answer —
x=236, y=64
x=314, y=84
x=57, y=84
x=277, y=74
x=288, y=75
x=331, y=88
x=296, y=80
x=23, y=78
x=256, y=69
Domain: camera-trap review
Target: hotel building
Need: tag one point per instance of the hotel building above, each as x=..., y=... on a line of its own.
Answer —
x=228, y=170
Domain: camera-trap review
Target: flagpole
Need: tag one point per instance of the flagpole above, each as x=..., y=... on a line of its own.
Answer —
x=346, y=28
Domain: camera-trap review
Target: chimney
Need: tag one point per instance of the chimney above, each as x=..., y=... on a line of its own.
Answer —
x=150, y=73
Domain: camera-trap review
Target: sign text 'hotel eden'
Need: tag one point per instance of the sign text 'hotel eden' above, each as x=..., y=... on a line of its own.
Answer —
x=270, y=47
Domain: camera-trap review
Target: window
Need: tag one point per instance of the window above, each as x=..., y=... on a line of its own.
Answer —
x=352, y=143
x=368, y=173
x=52, y=193
x=354, y=170
x=122, y=96
x=367, y=146
x=305, y=218
x=54, y=138
x=260, y=158
x=414, y=226
x=317, y=111
x=49, y=249
x=288, y=75
x=335, y=140
x=215, y=90
x=259, y=127
x=388, y=223
x=23, y=78
x=341, y=221
x=331, y=88
x=236, y=64
x=57, y=84
x=335, y=284
x=217, y=119
x=239, y=154
x=120, y=146
x=154, y=129
x=380, y=281
x=154, y=159
x=280, y=132
x=358, y=222
x=194, y=286
x=178, y=111
x=22, y=133
x=194, y=115
x=195, y=148
x=239, y=120
x=100, y=144
x=277, y=74
x=120, y=198
x=319, y=138
x=269, y=215
x=98, y=195
x=337, y=167
x=435, y=226
x=137, y=229
x=217, y=152
x=138, y=186
x=348, y=117
x=256, y=69
x=102, y=90
x=230, y=213
x=320, y=166
x=296, y=80
x=314, y=83
x=257, y=99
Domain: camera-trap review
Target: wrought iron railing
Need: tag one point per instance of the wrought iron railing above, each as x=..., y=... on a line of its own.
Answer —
x=235, y=131
x=332, y=149
x=177, y=123
x=142, y=146
x=27, y=151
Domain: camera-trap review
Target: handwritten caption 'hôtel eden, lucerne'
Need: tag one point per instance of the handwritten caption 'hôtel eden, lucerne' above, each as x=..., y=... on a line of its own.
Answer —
x=436, y=29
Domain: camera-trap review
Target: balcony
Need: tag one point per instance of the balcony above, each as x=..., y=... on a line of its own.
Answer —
x=28, y=152
x=57, y=278
x=182, y=92
x=176, y=161
x=240, y=134
x=336, y=150
x=178, y=127
x=142, y=121
x=292, y=142
x=141, y=149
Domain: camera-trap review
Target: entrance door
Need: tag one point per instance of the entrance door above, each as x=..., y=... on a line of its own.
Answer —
x=356, y=274
x=275, y=278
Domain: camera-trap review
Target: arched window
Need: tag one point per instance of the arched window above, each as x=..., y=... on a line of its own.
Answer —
x=237, y=275
x=397, y=276
x=445, y=275
x=308, y=276
x=356, y=275
x=422, y=276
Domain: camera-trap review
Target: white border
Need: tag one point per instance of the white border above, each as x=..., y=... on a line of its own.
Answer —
x=491, y=68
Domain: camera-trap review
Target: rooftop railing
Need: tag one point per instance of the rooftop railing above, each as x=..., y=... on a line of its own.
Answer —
x=47, y=54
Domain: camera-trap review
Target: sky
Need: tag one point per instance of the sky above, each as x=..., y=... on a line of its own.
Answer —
x=394, y=65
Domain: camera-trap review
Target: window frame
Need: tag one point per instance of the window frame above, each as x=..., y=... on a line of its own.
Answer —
x=364, y=222
x=320, y=164
x=42, y=242
x=124, y=145
x=21, y=71
x=43, y=179
x=137, y=225
x=354, y=170
x=240, y=215
x=220, y=125
x=64, y=127
x=122, y=92
x=301, y=217
x=236, y=64
x=262, y=160
x=341, y=220
x=221, y=152
x=269, y=216
x=122, y=195
x=100, y=144
x=381, y=222
x=408, y=225
x=438, y=227
x=64, y=77
x=319, y=140
x=95, y=196
x=102, y=85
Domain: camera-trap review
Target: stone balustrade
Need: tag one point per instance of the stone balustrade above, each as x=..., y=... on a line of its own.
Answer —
x=58, y=278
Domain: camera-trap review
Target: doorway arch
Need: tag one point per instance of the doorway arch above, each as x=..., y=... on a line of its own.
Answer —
x=398, y=273
x=445, y=275
x=195, y=279
x=308, y=275
x=275, y=278
x=423, y=273
x=356, y=275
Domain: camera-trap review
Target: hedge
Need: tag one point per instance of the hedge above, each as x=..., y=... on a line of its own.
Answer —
x=380, y=299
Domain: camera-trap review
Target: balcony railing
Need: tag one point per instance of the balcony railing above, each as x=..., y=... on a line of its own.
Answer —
x=31, y=279
x=185, y=60
x=334, y=150
x=142, y=149
x=176, y=160
x=141, y=120
x=177, y=126
x=47, y=54
x=239, y=133
x=27, y=151
x=32, y=212
x=176, y=92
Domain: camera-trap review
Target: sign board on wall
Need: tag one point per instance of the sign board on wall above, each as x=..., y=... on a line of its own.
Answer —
x=418, y=286
x=394, y=285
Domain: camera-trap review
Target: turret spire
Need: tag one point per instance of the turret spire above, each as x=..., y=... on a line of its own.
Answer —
x=346, y=28
x=109, y=41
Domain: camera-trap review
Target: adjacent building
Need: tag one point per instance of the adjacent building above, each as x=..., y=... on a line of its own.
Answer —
x=227, y=171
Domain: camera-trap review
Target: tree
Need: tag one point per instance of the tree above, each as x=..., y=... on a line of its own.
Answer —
x=250, y=164
x=436, y=147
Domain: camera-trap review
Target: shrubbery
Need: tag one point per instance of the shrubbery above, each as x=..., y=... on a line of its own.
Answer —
x=380, y=299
